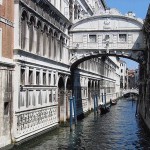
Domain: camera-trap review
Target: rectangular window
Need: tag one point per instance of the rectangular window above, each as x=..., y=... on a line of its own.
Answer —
x=50, y=96
x=6, y=108
x=0, y=41
x=54, y=79
x=37, y=78
x=44, y=78
x=122, y=37
x=92, y=38
x=49, y=79
x=30, y=76
x=22, y=76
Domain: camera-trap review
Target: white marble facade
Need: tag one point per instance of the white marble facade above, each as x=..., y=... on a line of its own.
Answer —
x=42, y=76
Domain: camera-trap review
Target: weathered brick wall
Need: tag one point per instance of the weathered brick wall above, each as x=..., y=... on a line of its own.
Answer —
x=7, y=13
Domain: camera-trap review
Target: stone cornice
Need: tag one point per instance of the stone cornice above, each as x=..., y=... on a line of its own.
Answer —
x=107, y=16
x=42, y=18
x=49, y=8
x=6, y=21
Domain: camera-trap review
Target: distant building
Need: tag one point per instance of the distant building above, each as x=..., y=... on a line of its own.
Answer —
x=123, y=79
x=133, y=78
x=136, y=78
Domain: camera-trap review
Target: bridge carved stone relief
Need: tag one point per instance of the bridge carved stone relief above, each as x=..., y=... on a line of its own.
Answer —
x=109, y=34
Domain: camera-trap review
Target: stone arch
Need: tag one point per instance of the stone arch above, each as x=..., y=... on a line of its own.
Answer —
x=39, y=24
x=24, y=14
x=61, y=96
x=61, y=84
x=24, y=29
x=39, y=34
x=32, y=19
x=55, y=44
x=68, y=95
x=50, y=30
x=50, y=36
x=32, y=41
x=45, y=40
x=56, y=34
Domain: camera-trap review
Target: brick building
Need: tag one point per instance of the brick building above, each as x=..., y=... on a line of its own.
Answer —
x=6, y=69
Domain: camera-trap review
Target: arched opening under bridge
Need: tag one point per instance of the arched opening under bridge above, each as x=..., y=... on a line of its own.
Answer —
x=102, y=36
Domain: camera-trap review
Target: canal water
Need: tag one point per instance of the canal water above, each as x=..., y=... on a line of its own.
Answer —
x=119, y=129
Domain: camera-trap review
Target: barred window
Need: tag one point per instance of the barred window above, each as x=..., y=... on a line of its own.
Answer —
x=122, y=37
x=92, y=38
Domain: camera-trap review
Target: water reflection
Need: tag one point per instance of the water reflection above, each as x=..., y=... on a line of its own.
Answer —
x=118, y=129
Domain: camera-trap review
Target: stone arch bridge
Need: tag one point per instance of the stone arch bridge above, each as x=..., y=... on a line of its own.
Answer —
x=108, y=34
x=127, y=91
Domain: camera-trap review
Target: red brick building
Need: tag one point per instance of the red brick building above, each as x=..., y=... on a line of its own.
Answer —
x=6, y=69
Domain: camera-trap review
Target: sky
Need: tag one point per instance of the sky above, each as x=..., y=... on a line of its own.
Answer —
x=139, y=7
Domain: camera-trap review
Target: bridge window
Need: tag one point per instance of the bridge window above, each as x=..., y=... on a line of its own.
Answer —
x=92, y=38
x=107, y=37
x=122, y=37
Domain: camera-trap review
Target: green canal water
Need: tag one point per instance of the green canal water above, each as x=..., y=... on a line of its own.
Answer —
x=119, y=129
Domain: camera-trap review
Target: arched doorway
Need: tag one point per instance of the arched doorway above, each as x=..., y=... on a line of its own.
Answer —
x=68, y=95
x=61, y=91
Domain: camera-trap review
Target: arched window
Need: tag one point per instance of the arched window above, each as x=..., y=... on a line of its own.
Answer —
x=31, y=34
x=55, y=45
x=24, y=27
x=61, y=47
x=38, y=37
x=45, y=42
x=50, y=43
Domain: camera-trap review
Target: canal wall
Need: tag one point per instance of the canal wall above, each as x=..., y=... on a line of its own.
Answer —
x=144, y=113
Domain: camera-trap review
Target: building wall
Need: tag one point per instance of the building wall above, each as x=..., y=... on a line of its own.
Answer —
x=123, y=68
x=42, y=79
x=6, y=27
x=6, y=71
x=144, y=80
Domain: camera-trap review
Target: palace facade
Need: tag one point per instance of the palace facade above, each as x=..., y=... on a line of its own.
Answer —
x=40, y=80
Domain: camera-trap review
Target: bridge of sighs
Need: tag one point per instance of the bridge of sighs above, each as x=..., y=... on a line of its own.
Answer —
x=108, y=34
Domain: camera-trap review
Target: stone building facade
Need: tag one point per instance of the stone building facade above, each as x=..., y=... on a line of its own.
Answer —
x=42, y=80
x=123, y=78
x=42, y=74
x=144, y=75
x=6, y=71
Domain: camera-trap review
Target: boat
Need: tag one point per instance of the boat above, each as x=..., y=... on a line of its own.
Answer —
x=103, y=108
x=113, y=102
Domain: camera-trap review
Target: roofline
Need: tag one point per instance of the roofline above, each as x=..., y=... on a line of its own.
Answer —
x=104, y=4
x=106, y=16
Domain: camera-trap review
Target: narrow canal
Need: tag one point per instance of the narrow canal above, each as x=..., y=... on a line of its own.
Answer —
x=117, y=130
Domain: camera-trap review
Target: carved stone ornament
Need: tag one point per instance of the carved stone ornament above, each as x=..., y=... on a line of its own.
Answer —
x=107, y=24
